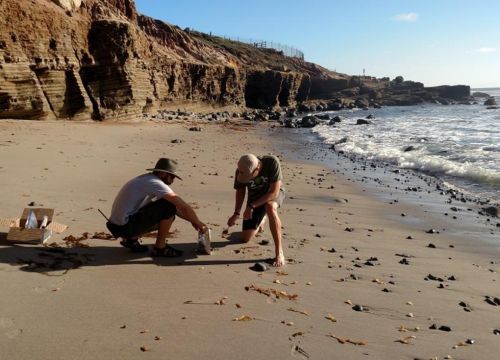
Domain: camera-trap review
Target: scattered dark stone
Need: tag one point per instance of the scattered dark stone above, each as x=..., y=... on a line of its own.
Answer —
x=403, y=214
x=392, y=282
x=440, y=286
x=318, y=235
x=362, y=122
x=358, y=308
x=431, y=245
x=332, y=250
x=259, y=267
x=409, y=148
x=470, y=341
x=354, y=277
x=409, y=238
x=404, y=261
x=452, y=278
x=431, y=231
x=433, y=327
x=492, y=300
x=496, y=332
x=386, y=290
x=264, y=242
x=32, y=203
x=368, y=263
x=176, y=141
x=349, y=229
x=442, y=328
x=492, y=211
x=195, y=128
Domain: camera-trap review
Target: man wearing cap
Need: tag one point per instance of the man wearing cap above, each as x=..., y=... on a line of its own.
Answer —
x=147, y=203
x=262, y=177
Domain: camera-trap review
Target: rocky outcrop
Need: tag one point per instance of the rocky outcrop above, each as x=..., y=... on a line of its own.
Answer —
x=74, y=59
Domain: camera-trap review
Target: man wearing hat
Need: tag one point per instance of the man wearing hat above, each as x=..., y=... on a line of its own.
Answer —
x=147, y=203
x=262, y=177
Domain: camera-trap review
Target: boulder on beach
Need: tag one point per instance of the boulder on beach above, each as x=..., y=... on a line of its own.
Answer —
x=309, y=121
x=363, y=122
x=490, y=102
x=335, y=120
x=479, y=94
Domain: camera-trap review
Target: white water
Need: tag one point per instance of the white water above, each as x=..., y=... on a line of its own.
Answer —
x=459, y=144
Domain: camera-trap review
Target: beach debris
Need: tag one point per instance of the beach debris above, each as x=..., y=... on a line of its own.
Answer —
x=431, y=245
x=238, y=306
x=496, y=332
x=347, y=340
x=299, y=333
x=145, y=331
x=331, y=318
x=433, y=278
x=221, y=301
x=409, y=303
x=386, y=290
x=298, y=311
x=124, y=326
x=494, y=301
x=243, y=318
x=465, y=306
x=157, y=338
x=405, y=329
x=264, y=242
x=380, y=282
x=470, y=341
x=359, y=308
x=289, y=323
x=269, y=292
x=281, y=273
x=410, y=315
x=332, y=250
x=442, y=327
x=259, y=267
x=309, y=283
x=404, y=261
x=349, y=229
x=297, y=350
x=432, y=231
x=144, y=348
x=406, y=340
x=348, y=302
x=195, y=128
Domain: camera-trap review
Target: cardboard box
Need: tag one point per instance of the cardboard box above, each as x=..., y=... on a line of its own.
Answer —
x=18, y=232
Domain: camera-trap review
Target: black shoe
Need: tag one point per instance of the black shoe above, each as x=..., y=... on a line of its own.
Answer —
x=134, y=245
x=167, y=251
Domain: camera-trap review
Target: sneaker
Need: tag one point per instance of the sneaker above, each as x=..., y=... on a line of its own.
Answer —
x=134, y=245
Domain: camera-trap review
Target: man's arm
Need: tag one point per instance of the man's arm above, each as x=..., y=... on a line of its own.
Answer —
x=239, y=198
x=185, y=211
x=272, y=194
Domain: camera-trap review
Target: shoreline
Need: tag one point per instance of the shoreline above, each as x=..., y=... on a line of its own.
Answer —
x=114, y=303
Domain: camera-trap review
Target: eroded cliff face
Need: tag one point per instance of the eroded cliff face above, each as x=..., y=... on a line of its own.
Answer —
x=73, y=59
x=80, y=59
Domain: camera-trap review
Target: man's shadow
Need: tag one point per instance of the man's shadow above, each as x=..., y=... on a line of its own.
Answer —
x=54, y=261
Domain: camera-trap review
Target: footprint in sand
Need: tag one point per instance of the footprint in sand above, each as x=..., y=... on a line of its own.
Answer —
x=7, y=326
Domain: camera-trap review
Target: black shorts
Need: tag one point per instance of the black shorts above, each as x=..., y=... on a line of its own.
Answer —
x=145, y=220
x=259, y=212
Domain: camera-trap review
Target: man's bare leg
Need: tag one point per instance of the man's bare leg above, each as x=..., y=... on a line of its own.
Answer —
x=247, y=235
x=262, y=223
x=275, y=227
x=163, y=230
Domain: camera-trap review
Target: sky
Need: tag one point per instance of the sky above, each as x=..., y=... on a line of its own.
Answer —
x=437, y=42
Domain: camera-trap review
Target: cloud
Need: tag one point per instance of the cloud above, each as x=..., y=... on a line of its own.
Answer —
x=486, y=50
x=408, y=17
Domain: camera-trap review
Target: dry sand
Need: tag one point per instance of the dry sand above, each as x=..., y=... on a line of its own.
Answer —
x=113, y=303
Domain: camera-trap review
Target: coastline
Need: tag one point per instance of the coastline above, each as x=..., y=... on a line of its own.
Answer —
x=114, y=303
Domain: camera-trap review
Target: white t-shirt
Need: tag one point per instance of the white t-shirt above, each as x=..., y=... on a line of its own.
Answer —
x=136, y=194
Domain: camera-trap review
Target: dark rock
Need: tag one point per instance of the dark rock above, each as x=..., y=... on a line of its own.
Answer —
x=176, y=141
x=195, y=128
x=371, y=116
x=309, y=121
x=264, y=242
x=335, y=120
x=409, y=148
x=386, y=290
x=358, y=308
x=323, y=117
x=259, y=267
x=496, y=332
x=479, y=94
x=31, y=203
x=349, y=229
x=490, y=102
x=332, y=250
x=404, y=261
x=431, y=231
x=290, y=123
x=362, y=122
x=470, y=341
x=431, y=245
x=492, y=108
x=492, y=211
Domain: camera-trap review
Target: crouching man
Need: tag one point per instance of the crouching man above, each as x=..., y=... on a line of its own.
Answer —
x=148, y=203
x=262, y=177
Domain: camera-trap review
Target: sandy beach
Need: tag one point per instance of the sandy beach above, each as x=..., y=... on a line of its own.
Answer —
x=358, y=282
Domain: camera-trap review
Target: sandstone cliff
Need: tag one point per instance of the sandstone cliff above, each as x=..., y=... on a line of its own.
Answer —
x=76, y=59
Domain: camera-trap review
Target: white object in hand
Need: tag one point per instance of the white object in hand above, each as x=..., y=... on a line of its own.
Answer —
x=204, y=241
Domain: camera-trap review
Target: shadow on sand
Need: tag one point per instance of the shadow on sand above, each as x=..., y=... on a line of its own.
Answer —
x=58, y=261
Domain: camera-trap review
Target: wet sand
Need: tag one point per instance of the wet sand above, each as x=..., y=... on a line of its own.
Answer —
x=346, y=249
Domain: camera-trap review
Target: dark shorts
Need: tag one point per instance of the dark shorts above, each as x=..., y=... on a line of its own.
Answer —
x=145, y=220
x=259, y=213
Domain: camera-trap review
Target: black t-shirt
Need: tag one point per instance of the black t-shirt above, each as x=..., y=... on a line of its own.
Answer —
x=269, y=173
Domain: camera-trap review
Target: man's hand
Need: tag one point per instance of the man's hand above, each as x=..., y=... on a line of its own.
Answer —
x=232, y=220
x=247, y=215
x=199, y=226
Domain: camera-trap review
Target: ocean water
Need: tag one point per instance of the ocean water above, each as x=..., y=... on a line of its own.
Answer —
x=459, y=144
